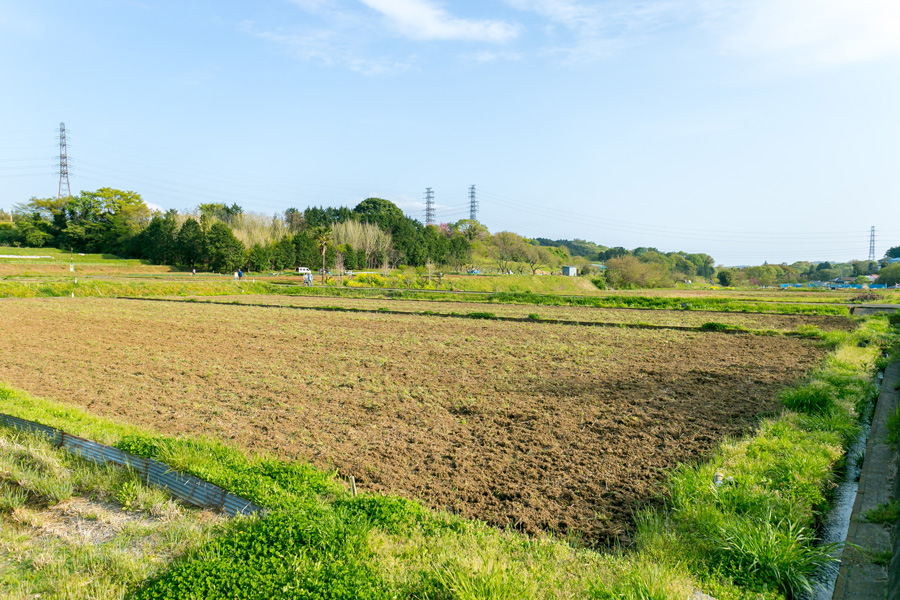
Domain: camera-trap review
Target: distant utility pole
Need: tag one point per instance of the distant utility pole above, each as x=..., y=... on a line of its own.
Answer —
x=429, y=207
x=64, y=189
x=872, y=244
x=473, y=204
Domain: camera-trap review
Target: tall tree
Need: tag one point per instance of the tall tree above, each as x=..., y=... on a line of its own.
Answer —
x=383, y=213
x=191, y=243
x=225, y=252
x=322, y=238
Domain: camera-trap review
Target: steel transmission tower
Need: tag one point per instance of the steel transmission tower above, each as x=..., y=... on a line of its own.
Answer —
x=872, y=244
x=64, y=189
x=429, y=207
x=473, y=204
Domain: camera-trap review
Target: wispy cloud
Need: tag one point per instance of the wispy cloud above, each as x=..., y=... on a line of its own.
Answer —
x=582, y=31
x=811, y=32
x=424, y=20
x=327, y=47
x=803, y=32
x=488, y=56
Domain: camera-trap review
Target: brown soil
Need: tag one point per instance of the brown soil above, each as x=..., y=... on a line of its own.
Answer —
x=527, y=425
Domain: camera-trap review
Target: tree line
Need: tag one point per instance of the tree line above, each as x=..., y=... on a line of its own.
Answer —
x=373, y=234
x=223, y=238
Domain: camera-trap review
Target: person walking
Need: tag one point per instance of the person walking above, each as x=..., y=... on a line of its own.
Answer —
x=240, y=274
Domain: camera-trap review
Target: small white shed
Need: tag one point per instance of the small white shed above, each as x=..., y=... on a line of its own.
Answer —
x=570, y=271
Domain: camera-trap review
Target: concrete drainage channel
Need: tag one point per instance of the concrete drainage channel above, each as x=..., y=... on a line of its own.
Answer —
x=186, y=488
x=863, y=573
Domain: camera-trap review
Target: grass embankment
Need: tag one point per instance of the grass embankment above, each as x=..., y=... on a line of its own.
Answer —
x=224, y=287
x=55, y=263
x=543, y=284
x=9, y=254
x=749, y=536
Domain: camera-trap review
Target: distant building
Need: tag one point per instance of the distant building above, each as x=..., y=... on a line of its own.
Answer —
x=570, y=271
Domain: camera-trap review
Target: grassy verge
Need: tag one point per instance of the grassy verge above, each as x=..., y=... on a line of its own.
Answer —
x=72, y=529
x=224, y=286
x=737, y=526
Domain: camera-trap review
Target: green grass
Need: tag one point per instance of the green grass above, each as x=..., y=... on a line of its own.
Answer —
x=893, y=426
x=667, y=303
x=886, y=514
x=39, y=561
x=750, y=537
x=55, y=256
x=214, y=285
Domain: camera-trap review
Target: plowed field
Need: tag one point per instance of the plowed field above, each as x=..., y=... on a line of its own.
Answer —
x=530, y=425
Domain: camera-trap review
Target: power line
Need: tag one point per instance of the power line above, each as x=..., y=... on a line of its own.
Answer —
x=473, y=204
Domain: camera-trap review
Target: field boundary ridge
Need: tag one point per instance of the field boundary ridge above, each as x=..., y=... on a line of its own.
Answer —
x=711, y=327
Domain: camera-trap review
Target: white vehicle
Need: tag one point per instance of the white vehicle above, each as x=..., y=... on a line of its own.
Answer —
x=303, y=271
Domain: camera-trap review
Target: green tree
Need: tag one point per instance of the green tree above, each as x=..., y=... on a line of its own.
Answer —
x=157, y=243
x=32, y=232
x=725, y=277
x=307, y=253
x=225, y=252
x=190, y=243
x=259, y=257
x=104, y=221
x=379, y=211
x=629, y=271
x=617, y=252
x=284, y=254
x=9, y=235
x=506, y=248
x=893, y=252
x=890, y=275
x=537, y=256
x=471, y=230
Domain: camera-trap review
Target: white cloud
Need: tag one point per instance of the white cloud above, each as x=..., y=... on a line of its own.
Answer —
x=488, y=56
x=802, y=32
x=812, y=32
x=424, y=20
x=588, y=31
x=327, y=47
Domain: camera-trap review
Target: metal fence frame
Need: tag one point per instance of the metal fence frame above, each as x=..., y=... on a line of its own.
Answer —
x=187, y=488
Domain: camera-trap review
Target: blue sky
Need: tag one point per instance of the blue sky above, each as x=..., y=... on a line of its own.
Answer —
x=754, y=130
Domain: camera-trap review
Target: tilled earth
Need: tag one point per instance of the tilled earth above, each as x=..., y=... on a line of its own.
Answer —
x=527, y=425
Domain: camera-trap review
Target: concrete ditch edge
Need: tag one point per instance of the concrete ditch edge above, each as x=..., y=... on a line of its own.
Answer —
x=863, y=574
